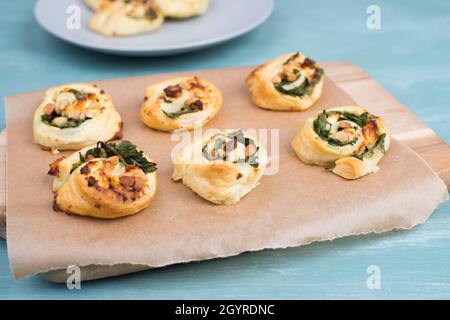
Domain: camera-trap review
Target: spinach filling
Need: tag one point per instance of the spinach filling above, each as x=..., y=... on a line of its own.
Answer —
x=306, y=87
x=71, y=123
x=223, y=146
x=79, y=95
x=150, y=14
x=369, y=152
x=322, y=128
x=361, y=120
x=127, y=152
x=187, y=108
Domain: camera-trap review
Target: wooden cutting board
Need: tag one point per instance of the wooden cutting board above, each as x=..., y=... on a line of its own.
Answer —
x=404, y=125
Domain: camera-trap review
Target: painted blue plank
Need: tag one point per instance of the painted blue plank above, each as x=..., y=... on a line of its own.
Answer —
x=409, y=56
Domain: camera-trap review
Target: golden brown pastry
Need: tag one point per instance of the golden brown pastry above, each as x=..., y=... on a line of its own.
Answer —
x=348, y=139
x=124, y=18
x=222, y=168
x=74, y=116
x=290, y=82
x=182, y=9
x=107, y=180
x=180, y=104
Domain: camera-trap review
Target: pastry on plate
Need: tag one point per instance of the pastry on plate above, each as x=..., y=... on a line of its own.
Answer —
x=290, y=82
x=107, y=180
x=349, y=140
x=94, y=4
x=222, y=168
x=180, y=104
x=74, y=116
x=124, y=18
x=182, y=9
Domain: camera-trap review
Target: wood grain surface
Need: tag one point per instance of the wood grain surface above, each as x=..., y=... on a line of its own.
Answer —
x=367, y=92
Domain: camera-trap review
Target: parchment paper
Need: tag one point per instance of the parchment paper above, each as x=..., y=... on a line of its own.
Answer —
x=299, y=205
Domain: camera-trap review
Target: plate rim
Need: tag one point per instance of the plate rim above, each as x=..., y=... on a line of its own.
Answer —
x=167, y=49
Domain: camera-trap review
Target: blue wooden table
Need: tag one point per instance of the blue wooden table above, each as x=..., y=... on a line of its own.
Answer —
x=409, y=55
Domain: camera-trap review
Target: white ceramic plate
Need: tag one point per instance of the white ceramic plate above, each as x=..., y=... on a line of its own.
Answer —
x=224, y=20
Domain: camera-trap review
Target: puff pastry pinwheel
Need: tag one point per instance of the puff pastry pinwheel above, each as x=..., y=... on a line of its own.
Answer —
x=222, y=168
x=74, y=116
x=180, y=104
x=107, y=180
x=348, y=139
x=290, y=82
x=182, y=9
x=124, y=18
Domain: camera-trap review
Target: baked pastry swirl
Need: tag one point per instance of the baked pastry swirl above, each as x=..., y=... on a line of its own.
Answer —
x=290, y=82
x=107, y=180
x=349, y=140
x=180, y=104
x=222, y=168
x=74, y=116
x=182, y=9
x=124, y=18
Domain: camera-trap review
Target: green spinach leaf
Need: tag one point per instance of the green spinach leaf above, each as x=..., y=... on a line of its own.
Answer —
x=127, y=152
x=194, y=107
x=321, y=125
x=151, y=14
x=361, y=120
x=71, y=123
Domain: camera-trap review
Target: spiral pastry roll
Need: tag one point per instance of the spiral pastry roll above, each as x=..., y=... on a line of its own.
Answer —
x=182, y=9
x=107, y=180
x=74, y=116
x=223, y=168
x=290, y=82
x=180, y=104
x=124, y=18
x=348, y=139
